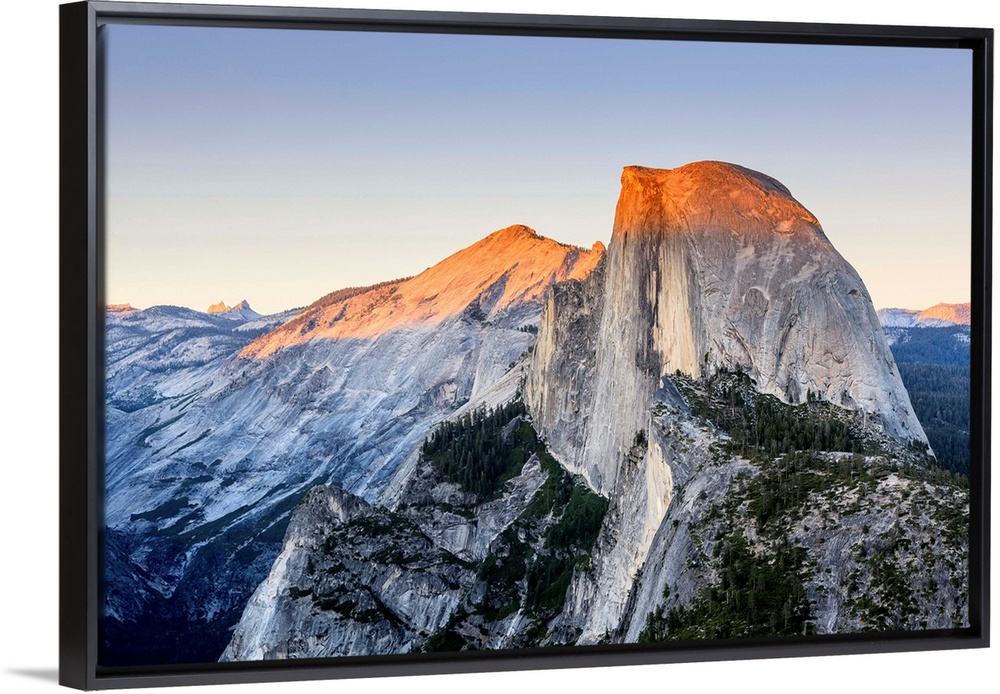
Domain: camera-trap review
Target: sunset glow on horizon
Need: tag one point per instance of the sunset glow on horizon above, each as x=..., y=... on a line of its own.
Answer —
x=277, y=166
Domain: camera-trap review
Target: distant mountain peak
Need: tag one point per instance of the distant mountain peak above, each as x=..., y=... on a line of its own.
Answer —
x=960, y=314
x=242, y=308
x=937, y=316
x=120, y=309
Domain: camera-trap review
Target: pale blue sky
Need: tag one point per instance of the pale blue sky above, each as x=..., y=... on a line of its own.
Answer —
x=278, y=165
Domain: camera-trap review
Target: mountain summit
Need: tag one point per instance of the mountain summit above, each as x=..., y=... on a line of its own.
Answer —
x=219, y=307
x=706, y=196
x=509, y=268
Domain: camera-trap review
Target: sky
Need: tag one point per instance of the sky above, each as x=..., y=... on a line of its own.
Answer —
x=279, y=165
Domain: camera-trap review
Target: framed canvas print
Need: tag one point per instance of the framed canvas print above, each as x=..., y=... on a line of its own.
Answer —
x=423, y=342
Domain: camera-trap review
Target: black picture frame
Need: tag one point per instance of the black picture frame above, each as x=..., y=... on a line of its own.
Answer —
x=81, y=327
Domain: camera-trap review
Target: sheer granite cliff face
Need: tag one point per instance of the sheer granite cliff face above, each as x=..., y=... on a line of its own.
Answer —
x=710, y=266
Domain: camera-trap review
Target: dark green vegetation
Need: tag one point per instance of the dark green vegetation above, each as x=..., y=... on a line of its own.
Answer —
x=530, y=565
x=483, y=449
x=754, y=596
x=942, y=346
x=934, y=365
x=940, y=398
x=530, y=568
x=763, y=425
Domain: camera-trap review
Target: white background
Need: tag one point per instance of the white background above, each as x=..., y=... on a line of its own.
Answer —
x=29, y=384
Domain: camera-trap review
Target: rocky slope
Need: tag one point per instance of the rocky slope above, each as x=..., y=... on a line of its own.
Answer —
x=352, y=579
x=153, y=354
x=217, y=427
x=855, y=533
x=477, y=560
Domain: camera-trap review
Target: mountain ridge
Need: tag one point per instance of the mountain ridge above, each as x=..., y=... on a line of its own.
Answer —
x=507, y=267
x=937, y=316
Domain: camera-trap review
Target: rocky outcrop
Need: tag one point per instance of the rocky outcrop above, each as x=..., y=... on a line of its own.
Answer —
x=219, y=307
x=561, y=383
x=881, y=544
x=456, y=520
x=597, y=598
x=240, y=311
x=449, y=568
x=711, y=266
x=351, y=579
